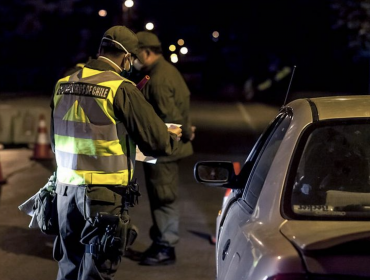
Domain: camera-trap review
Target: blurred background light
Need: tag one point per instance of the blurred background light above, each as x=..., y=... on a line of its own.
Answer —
x=215, y=34
x=184, y=50
x=102, y=13
x=174, y=58
x=149, y=26
x=172, y=48
x=129, y=3
x=180, y=42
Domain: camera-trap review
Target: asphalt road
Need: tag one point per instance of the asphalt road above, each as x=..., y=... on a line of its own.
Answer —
x=224, y=132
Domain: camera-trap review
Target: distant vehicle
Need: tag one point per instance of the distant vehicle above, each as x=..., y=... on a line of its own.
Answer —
x=300, y=206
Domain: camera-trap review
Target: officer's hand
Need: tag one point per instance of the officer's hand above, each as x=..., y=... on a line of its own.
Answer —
x=176, y=130
x=193, y=128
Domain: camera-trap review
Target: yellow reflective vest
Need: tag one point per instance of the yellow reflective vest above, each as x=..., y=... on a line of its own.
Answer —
x=92, y=146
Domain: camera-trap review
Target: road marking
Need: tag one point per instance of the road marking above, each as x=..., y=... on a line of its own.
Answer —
x=245, y=115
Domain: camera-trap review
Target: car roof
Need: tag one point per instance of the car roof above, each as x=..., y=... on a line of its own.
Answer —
x=335, y=107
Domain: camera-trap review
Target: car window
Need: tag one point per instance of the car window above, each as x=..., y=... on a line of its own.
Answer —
x=264, y=161
x=332, y=176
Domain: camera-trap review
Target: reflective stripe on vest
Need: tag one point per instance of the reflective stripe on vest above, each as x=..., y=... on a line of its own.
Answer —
x=90, y=143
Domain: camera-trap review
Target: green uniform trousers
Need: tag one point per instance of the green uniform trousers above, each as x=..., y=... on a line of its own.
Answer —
x=162, y=185
x=75, y=205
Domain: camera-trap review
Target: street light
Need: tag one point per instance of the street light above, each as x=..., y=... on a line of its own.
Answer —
x=129, y=3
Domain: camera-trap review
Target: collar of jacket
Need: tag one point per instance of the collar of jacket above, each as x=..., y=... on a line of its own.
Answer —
x=100, y=65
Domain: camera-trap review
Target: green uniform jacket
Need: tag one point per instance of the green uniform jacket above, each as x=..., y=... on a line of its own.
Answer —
x=170, y=97
x=143, y=125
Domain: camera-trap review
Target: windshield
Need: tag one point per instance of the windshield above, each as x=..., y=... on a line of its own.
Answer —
x=332, y=177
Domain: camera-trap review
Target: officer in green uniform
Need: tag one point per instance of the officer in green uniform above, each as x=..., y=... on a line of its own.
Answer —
x=170, y=97
x=98, y=118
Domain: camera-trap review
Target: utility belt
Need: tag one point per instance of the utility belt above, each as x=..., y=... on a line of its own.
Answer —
x=130, y=193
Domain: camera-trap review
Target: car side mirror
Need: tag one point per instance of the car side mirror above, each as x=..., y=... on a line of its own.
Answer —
x=214, y=173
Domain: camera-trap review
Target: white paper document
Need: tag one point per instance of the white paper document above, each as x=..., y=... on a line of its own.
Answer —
x=141, y=157
x=175, y=124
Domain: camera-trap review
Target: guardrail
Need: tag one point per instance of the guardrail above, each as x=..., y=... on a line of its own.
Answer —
x=19, y=124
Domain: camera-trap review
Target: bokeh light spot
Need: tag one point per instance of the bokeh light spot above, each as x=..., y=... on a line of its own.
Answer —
x=184, y=50
x=174, y=58
x=215, y=34
x=149, y=26
x=102, y=13
x=129, y=3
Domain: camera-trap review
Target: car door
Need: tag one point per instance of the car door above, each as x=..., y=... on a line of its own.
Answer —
x=235, y=255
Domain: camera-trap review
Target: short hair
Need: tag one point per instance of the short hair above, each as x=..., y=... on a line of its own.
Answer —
x=111, y=50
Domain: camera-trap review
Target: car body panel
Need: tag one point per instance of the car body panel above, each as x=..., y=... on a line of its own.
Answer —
x=316, y=235
x=256, y=246
x=327, y=250
x=342, y=107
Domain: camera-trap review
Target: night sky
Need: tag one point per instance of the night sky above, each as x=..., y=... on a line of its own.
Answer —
x=41, y=38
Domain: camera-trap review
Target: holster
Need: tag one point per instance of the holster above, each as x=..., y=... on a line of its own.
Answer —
x=131, y=195
x=116, y=234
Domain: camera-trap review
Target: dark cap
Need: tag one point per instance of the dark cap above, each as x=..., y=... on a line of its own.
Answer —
x=147, y=39
x=120, y=37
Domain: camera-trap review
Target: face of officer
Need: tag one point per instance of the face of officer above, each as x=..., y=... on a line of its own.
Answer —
x=143, y=59
x=138, y=65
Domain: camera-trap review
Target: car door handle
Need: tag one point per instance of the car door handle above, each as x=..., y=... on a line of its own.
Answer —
x=226, y=249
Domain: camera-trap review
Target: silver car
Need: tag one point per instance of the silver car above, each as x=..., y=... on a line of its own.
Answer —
x=300, y=207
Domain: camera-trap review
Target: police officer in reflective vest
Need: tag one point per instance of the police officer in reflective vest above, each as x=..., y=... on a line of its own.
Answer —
x=98, y=118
